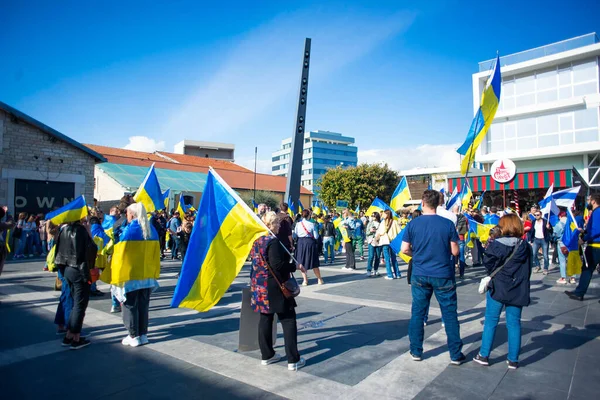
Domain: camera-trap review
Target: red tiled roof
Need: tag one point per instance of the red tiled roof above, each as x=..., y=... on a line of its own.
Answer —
x=236, y=176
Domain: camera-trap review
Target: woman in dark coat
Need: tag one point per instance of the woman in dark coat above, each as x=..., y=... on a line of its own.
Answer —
x=268, y=299
x=509, y=288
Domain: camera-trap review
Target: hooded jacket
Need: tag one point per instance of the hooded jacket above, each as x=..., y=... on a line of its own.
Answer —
x=510, y=286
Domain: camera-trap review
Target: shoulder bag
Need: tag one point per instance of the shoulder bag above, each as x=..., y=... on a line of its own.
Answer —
x=306, y=230
x=484, y=284
x=289, y=288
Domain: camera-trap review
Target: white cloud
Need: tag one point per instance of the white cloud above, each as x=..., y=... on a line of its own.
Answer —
x=263, y=69
x=263, y=166
x=422, y=156
x=144, y=143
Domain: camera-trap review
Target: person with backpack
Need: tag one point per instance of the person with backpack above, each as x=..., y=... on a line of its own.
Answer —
x=510, y=258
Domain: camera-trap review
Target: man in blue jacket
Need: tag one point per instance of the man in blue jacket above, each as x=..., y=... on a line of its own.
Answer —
x=539, y=237
x=591, y=236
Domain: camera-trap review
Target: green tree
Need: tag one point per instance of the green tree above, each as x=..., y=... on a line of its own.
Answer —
x=262, y=196
x=358, y=185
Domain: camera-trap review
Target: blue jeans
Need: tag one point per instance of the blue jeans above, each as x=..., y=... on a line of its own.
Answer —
x=175, y=247
x=115, y=302
x=461, y=258
x=20, y=245
x=493, y=309
x=328, y=251
x=445, y=292
x=562, y=262
x=592, y=256
x=391, y=263
x=374, y=257
x=537, y=243
x=65, y=303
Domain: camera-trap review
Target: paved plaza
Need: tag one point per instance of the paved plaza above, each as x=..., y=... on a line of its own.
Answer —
x=353, y=332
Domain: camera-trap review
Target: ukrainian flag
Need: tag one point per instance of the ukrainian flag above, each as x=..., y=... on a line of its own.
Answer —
x=107, y=225
x=166, y=195
x=291, y=208
x=479, y=202
x=222, y=237
x=74, y=211
x=149, y=193
x=396, y=245
x=134, y=258
x=477, y=230
x=300, y=207
x=401, y=195
x=483, y=119
x=570, y=239
x=181, y=207
x=378, y=206
x=254, y=207
x=466, y=195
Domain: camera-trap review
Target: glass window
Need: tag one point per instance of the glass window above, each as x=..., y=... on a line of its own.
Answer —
x=564, y=74
x=585, y=88
x=526, y=127
x=508, y=103
x=589, y=135
x=525, y=84
x=508, y=87
x=497, y=147
x=548, y=140
x=527, y=143
x=496, y=132
x=547, y=124
x=547, y=96
x=565, y=92
x=587, y=118
x=584, y=71
x=526, y=100
x=566, y=138
x=510, y=145
x=546, y=79
x=510, y=130
x=566, y=122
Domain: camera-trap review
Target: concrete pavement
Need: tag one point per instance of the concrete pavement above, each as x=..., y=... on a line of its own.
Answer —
x=352, y=331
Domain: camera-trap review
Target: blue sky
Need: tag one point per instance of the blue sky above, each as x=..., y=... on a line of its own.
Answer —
x=396, y=75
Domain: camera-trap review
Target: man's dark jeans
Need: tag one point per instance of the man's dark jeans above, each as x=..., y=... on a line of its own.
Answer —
x=80, y=290
x=445, y=293
x=592, y=256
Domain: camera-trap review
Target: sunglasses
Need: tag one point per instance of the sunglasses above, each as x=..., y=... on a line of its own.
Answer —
x=537, y=215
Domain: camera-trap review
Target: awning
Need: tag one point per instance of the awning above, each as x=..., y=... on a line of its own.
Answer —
x=131, y=176
x=524, y=180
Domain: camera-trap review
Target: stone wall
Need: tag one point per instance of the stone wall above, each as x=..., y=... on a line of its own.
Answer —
x=26, y=152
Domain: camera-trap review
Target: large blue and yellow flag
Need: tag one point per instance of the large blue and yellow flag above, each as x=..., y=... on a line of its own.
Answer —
x=149, y=193
x=74, y=211
x=181, y=207
x=478, y=231
x=570, y=239
x=300, y=207
x=134, y=258
x=401, y=195
x=378, y=206
x=223, y=235
x=291, y=208
x=483, y=119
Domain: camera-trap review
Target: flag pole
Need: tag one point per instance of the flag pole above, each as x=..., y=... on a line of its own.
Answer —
x=255, y=157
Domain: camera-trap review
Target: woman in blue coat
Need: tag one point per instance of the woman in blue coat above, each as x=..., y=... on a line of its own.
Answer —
x=509, y=288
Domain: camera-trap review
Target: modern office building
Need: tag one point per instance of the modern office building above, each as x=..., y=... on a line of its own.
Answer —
x=547, y=122
x=322, y=150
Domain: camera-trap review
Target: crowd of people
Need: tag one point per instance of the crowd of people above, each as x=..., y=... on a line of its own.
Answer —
x=435, y=242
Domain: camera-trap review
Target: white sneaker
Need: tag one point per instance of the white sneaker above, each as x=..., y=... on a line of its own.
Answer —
x=296, y=366
x=388, y=278
x=144, y=339
x=376, y=273
x=130, y=341
x=271, y=360
x=115, y=309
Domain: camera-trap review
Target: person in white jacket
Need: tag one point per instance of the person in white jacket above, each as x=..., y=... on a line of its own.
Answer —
x=387, y=231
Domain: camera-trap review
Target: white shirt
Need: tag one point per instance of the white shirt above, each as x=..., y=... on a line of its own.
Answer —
x=300, y=232
x=539, y=229
x=442, y=212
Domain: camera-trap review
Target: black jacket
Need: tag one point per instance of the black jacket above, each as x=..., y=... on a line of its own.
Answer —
x=461, y=224
x=547, y=231
x=279, y=261
x=75, y=248
x=510, y=286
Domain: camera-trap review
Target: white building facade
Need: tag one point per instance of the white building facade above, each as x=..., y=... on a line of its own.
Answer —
x=322, y=150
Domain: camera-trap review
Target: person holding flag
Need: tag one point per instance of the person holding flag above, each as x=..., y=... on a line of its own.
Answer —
x=75, y=255
x=591, y=237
